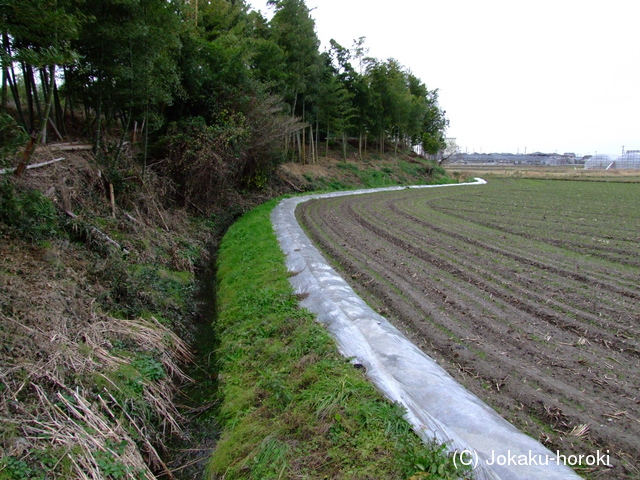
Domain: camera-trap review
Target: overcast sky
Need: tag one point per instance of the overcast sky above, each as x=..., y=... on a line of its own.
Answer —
x=544, y=75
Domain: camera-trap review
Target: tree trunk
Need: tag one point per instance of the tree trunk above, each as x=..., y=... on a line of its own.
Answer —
x=397, y=141
x=5, y=71
x=365, y=144
x=34, y=89
x=344, y=145
x=58, y=109
x=5, y=96
x=27, y=89
x=45, y=94
x=45, y=118
x=69, y=101
x=16, y=96
x=146, y=141
x=311, y=152
x=96, y=142
x=326, y=150
x=304, y=143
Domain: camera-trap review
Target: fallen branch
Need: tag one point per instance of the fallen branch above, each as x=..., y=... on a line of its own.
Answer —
x=112, y=199
x=100, y=234
x=133, y=219
x=70, y=147
x=55, y=129
x=292, y=185
x=29, y=167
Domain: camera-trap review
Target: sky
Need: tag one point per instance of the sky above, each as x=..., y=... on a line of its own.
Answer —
x=512, y=75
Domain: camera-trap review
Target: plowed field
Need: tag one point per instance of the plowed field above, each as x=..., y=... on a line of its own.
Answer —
x=525, y=291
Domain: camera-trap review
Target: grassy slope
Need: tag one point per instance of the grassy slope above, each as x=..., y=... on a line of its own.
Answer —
x=376, y=171
x=292, y=407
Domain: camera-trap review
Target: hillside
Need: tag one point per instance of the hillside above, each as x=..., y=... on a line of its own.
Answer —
x=99, y=310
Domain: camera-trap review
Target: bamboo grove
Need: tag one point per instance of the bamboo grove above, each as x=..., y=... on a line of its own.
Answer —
x=209, y=84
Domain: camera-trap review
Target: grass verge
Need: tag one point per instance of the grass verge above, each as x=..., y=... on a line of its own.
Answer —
x=291, y=405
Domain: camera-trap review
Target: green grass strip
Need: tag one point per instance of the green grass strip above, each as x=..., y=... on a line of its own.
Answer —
x=290, y=405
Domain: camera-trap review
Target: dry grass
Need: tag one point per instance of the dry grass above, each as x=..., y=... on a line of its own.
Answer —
x=75, y=398
x=53, y=402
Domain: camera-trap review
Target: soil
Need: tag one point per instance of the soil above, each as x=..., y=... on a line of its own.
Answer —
x=531, y=307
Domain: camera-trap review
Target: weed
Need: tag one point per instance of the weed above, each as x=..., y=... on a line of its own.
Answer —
x=108, y=463
x=270, y=460
x=14, y=468
x=434, y=462
x=149, y=368
x=12, y=137
x=372, y=178
x=30, y=214
x=351, y=167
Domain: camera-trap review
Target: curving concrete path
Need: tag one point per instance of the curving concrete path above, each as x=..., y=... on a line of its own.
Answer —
x=437, y=406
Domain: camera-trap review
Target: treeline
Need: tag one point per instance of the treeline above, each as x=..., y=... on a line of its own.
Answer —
x=222, y=92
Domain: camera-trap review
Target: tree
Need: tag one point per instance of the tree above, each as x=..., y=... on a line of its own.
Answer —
x=128, y=64
x=37, y=35
x=336, y=109
x=451, y=148
x=293, y=30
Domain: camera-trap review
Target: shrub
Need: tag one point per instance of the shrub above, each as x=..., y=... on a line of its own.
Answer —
x=30, y=214
x=12, y=136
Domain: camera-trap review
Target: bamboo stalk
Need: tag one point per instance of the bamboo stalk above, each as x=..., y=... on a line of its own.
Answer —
x=112, y=199
x=55, y=130
x=29, y=152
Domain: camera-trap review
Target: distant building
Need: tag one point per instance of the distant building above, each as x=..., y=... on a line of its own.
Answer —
x=537, y=158
x=627, y=161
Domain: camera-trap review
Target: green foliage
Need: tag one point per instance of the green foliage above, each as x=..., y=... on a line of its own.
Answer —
x=270, y=460
x=37, y=467
x=293, y=29
x=372, y=178
x=149, y=368
x=135, y=290
x=351, y=167
x=12, y=137
x=109, y=464
x=128, y=55
x=29, y=214
x=434, y=462
x=237, y=152
x=201, y=157
x=432, y=144
x=40, y=31
x=15, y=469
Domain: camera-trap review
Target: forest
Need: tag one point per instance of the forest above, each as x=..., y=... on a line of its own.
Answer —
x=213, y=87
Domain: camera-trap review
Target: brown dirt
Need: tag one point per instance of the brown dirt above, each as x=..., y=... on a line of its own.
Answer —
x=547, y=336
x=561, y=172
